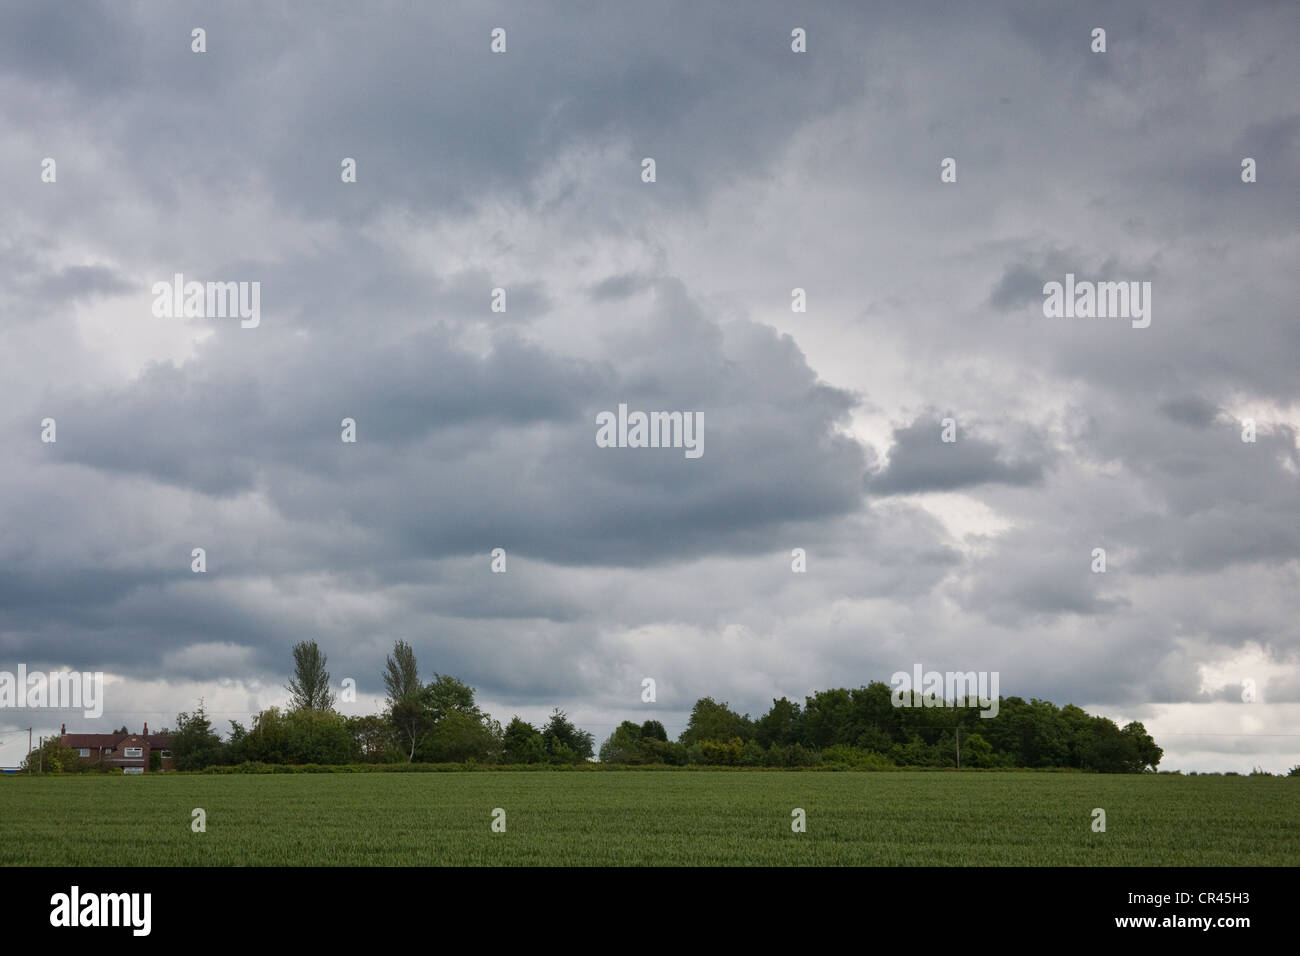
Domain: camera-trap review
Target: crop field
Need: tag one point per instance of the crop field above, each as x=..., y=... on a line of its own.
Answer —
x=649, y=818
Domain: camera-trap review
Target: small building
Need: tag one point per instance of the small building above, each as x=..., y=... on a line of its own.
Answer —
x=130, y=753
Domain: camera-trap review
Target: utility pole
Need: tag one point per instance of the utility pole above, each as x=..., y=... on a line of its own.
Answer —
x=29, y=743
x=959, y=746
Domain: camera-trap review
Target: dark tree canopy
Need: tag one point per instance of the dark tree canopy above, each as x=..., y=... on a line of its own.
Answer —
x=310, y=683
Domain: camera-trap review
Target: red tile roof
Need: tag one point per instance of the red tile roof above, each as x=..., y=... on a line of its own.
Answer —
x=95, y=741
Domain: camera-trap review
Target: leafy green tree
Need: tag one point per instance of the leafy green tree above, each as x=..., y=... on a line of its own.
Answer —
x=51, y=757
x=373, y=738
x=195, y=744
x=1147, y=754
x=563, y=754
x=876, y=722
x=406, y=709
x=294, y=737
x=828, y=718
x=318, y=736
x=913, y=753
x=446, y=694
x=653, y=730
x=401, y=673
x=459, y=730
x=715, y=721
x=874, y=739
x=977, y=752
x=310, y=683
x=1011, y=732
x=565, y=743
x=646, y=744
x=624, y=745
x=265, y=740
x=522, y=743
x=1047, y=742
x=1076, y=725
x=722, y=753
x=234, y=747
x=440, y=721
x=1109, y=750
x=801, y=756
x=460, y=736
x=783, y=724
x=664, y=751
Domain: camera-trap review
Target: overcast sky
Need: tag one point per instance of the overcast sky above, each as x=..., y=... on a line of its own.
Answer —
x=476, y=429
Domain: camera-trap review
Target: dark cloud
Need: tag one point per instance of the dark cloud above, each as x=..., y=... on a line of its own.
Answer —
x=920, y=461
x=620, y=286
x=476, y=429
x=1191, y=410
x=79, y=282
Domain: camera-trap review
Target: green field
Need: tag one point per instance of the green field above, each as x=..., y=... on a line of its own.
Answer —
x=649, y=818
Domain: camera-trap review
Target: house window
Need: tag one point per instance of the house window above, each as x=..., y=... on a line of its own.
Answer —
x=83, y=751
x=133, y=752
x=165, y=753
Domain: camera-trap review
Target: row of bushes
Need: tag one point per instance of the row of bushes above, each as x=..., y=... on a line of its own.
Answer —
x=454, y=734
x=631, y=745
x=874, y=726
x=826, y=765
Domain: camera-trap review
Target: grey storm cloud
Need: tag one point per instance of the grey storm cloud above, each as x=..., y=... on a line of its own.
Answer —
x=476, y=429
x=620, y=286
x=77, y=282
x=1191, y=410
x=448, y=434
x=920, y=461
x=413, y=101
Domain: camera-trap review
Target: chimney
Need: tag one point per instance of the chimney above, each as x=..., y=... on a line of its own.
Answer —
x=146, y=728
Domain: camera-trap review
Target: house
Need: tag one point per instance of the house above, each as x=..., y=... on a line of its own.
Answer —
x=129, y=752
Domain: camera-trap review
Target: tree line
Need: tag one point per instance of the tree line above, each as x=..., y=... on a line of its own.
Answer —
x=862, y=728
x=439, y=721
